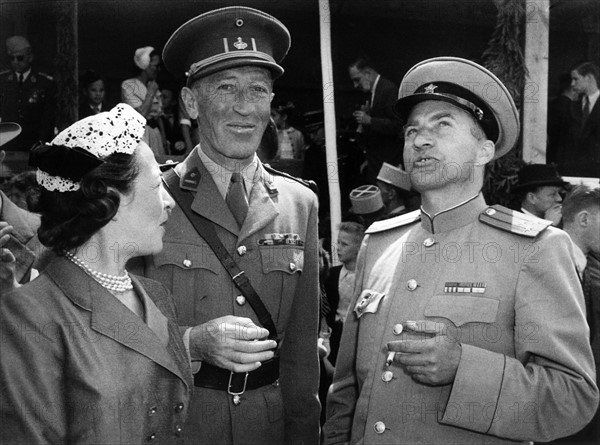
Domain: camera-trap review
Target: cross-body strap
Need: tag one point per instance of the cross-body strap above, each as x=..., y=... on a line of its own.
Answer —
x=207, y=231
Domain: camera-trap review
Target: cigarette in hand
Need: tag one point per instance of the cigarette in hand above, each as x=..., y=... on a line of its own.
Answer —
x=390, y=358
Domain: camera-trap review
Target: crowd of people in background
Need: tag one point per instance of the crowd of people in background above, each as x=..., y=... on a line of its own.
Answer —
x=379, y=198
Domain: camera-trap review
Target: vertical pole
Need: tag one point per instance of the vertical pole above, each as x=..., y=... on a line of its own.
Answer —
x=329, y=115
x=535, y=94
x=66, y=69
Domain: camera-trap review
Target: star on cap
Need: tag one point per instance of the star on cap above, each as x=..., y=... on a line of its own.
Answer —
x=429, y=89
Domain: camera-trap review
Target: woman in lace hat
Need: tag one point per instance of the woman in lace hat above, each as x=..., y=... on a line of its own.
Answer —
x=91, y=353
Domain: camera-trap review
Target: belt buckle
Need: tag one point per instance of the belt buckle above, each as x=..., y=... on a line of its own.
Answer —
x=236, y=395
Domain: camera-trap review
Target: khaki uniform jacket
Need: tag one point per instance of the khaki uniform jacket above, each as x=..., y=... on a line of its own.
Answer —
x=79, y=367
x=285, y=277
x=526, y=371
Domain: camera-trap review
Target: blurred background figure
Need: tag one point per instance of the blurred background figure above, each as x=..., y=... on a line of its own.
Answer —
x=27, y=97
x=539, y=189
x=93, y=93
x=396, y=191
x=291, y=140
x=143, y=94
x=367, y=205
x=558, y=111
x=174, y=138
x=24, y=191
x=581, y=220
x=379, y=129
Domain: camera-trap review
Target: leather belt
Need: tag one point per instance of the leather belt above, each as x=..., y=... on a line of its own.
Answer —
x=236, y=383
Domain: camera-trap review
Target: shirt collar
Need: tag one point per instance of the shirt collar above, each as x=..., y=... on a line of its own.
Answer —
x=373, y=88
x=592, y=98
x=25, y=74
x=222, y=177
x=579, y=258
x=454, y=217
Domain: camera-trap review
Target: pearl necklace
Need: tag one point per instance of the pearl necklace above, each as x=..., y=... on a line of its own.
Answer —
x=111, y=282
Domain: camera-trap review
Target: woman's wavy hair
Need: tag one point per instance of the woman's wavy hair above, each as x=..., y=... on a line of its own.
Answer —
x=69, y=219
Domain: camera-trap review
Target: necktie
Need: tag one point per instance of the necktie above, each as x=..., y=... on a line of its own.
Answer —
x=586, y=110
x=236, y=198
x=20, y=76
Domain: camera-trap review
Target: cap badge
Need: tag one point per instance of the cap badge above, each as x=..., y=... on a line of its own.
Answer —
x=240, y=44
x=430, y=89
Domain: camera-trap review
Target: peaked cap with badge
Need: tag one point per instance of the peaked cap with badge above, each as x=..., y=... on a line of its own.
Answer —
x=468, y=86
x=227, y=38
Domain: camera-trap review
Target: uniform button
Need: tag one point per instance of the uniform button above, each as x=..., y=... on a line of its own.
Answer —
x=292, y=267
x=178, y=429
x=240, y=300
x=276, y=383
x=379, y=427
x=241, y=250
x=151, y=437
x=490, y=212
x=429, y=242
x=387, y=376
x=398, y=328
x=187, y=263
x=152, y=411
x=178, y=408
x=411, y=284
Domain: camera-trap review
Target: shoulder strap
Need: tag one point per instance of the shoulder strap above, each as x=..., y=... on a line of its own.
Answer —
x=207, y=231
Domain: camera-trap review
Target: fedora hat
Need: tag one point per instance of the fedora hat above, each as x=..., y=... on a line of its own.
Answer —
x=469, y=86
x=227, y=38
x=538, y=175
x=8, y=131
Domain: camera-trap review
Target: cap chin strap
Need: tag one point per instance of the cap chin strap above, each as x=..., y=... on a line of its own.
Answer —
x=197, y=66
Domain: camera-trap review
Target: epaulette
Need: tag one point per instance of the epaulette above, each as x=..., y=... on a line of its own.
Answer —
x=512, y=221
x=396, y=221
x=2, y=73
x=305, y=182
x=47, y=76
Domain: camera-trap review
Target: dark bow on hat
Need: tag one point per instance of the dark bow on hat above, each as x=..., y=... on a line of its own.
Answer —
x=67, y=162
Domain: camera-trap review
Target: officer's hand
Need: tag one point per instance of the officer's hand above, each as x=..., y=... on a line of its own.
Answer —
x=433, y=360
x=230, y=342
x=8, y=261
x=554, y=214
x=362, y=117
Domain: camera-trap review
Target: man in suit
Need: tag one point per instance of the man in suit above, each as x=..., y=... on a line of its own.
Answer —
x=468, y=321
x=581, y=220
x=539, y=188
x=28, y=97
x=579, y=148
x=380, y=128
x=248, y=389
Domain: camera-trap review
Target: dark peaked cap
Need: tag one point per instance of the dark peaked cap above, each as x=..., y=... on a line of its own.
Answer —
x=227, y=38
x=469, y=86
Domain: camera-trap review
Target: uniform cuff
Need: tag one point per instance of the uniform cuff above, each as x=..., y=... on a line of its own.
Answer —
x=476, y=389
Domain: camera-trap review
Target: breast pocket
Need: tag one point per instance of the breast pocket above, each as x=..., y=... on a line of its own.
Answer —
x=192, y=272
x=286, y=259
x=463, y=309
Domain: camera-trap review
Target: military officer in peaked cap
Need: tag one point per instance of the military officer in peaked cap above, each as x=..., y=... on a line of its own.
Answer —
x=468, y=321
x=250, y=387
x=27, y=97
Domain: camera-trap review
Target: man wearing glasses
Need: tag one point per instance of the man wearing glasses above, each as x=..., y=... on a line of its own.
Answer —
x=27, y=97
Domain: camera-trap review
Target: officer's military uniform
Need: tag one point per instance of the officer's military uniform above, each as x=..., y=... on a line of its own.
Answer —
x=503, y=285
x=32, y=105
x=277, y=249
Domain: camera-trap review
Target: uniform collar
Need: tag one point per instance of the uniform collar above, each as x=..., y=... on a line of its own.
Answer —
x=454, y=217
x=580, y=259
x=221, y=176
x=25, y=75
